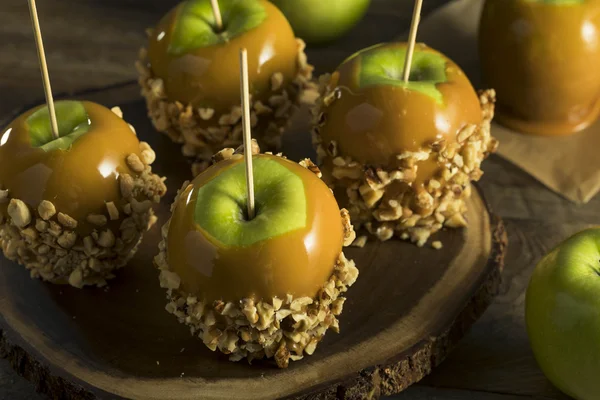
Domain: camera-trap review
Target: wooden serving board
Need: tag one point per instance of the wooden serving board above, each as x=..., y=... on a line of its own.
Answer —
x=407, y=310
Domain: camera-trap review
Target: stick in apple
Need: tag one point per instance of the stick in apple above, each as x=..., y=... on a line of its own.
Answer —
x=217, y=13
x=245, y=92
x=412, y=38
x=43, y=67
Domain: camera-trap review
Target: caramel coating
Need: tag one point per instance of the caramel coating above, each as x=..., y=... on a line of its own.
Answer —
x=209, y=76
x=78, y=181
x=297, y=263
x=541, y=60
x=375, y=124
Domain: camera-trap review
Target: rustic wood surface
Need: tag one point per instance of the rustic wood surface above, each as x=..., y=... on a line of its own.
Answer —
x=94, y=43
x=424, y=306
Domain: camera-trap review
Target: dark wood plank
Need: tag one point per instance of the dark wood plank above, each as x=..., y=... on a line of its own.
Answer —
x=12, y=386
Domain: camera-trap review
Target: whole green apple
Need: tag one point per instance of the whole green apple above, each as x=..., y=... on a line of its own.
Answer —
x=320, y=21
x=562, y=312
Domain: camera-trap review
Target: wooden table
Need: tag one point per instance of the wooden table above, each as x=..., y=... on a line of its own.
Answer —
x=94, y=43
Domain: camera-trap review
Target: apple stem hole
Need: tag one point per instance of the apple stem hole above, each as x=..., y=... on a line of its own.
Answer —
x=244, y=212
x=219, y=29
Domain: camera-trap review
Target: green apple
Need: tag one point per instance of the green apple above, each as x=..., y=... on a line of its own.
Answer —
x=72, y=119
x=280, y=203
x=320, y=21
x=196, y=27
x=563, y=315
x=384, y=65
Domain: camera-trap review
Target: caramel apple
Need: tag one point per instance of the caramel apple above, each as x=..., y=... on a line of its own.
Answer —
x=540, y=56
x=190, y=77
x=401, y=155
x=74, y=209
x=270, y=286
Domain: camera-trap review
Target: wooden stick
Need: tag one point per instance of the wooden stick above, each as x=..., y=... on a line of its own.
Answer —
x=245, y=92
x=217, y=14
x=43, y=67
x=412, y=38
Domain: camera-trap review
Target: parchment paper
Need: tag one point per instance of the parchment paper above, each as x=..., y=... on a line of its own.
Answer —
x=568, y=165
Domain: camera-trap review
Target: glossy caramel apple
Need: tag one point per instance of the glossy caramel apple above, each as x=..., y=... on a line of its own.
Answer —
x=209, y=76
x=401, y=155
x=296, y=263
x=267, y=286
x=78, y=181
x=74, y=208
x=189, y=76
x=541, y=58
x=374, y=124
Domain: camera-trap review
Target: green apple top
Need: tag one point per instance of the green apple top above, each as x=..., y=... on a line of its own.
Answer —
x=290, y=247
x=199, y=64
x=377, y=116
x=540, y=64
x=79, y=171
x=320, y=21
x=562, y=311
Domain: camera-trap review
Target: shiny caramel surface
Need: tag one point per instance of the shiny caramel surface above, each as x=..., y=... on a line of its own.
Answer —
x=77, y=181
x=209, y=76
x=374, y=124
x=298, y=262
x=542, y=60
